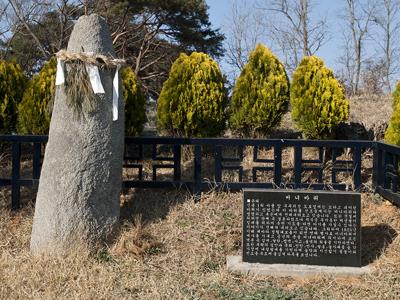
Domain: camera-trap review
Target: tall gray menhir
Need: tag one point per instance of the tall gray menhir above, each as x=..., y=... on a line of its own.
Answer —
x=78, y=197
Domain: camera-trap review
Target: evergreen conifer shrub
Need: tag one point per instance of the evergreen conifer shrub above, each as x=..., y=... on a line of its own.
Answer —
x=392, y=135
x=35, y=113
x=261, y=94
x=135, y=115
x=396, y=95
x=193, y=99
x=12, y=85
x=317, y=99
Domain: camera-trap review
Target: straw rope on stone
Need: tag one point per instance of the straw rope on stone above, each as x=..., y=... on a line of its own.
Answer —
x=98, y=60
x=77, y=85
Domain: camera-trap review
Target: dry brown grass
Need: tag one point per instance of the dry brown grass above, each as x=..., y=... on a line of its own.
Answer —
x=373, y=112
x=171, y=248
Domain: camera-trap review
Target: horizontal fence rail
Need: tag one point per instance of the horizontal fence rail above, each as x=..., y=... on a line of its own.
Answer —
x=199, y=165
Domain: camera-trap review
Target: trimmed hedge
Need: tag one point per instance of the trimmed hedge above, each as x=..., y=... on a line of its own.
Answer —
x=193, y=99
x=317, y=99
x=261, y=95
x=35, y=113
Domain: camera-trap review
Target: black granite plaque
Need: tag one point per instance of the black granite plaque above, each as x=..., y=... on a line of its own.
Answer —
x=302, y=227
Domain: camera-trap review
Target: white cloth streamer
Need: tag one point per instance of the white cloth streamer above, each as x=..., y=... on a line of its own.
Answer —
x=116, y=94
x=60, y=78
x=95, y=79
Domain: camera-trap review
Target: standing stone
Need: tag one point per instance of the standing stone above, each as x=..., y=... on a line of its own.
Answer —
x=78, y=196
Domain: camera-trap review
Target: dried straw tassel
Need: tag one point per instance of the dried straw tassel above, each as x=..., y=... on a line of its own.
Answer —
x=78, y=89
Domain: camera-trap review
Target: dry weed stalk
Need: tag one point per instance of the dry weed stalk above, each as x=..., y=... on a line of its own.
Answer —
x=133, y=241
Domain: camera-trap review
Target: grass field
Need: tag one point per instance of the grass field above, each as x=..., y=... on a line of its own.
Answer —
x=171, y=248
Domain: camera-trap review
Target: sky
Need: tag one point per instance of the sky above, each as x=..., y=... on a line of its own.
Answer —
x=219, y=11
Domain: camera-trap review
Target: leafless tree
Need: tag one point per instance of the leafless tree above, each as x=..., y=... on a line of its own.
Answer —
x=147, y=36
x=47, y=23
x=387, y=20
x=4, y=28
x=244, y=30
x=23, y=16
x=373, y=77
x=296, y=34
x=359, y=17
x=346, y=60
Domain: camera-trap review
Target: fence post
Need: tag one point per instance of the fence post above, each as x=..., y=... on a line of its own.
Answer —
x=177, y=162
x=197, y=173
x=218, y=164
x=385, y=162
x=37, y=152
x=357, y=168
x=377, y=167
x=298, y=157
x=278, y=164
x=15, y=176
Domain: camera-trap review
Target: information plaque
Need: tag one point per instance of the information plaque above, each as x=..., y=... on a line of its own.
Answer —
x=302, y=227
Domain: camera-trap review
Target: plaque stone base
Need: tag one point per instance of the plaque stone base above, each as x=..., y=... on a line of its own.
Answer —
x=236, y=265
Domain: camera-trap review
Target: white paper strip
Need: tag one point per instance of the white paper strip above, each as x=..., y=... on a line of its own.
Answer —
x=95, y=79
x=116, y=94
x=60, y=79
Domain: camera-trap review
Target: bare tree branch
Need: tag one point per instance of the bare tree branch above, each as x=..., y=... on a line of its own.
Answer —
x=244, y=30
x=359, y=17
x=291, y=27
x=387, y=20
x=22, y=19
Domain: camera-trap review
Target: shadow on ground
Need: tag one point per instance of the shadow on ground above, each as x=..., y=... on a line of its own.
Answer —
x=374, y=240
x=151, y=204
x=284, y=134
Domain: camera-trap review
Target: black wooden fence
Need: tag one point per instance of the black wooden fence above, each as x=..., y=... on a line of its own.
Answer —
x=203, y=164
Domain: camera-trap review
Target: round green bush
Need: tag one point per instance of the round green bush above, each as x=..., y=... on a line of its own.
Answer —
x=392, y=134
x=317, y=99
x=261, y=94
x=193, y=99
x=35, y=113
x=12, y=85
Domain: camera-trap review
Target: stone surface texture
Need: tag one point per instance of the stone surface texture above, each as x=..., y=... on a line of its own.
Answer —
x=236, y=265
x=79, y=190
